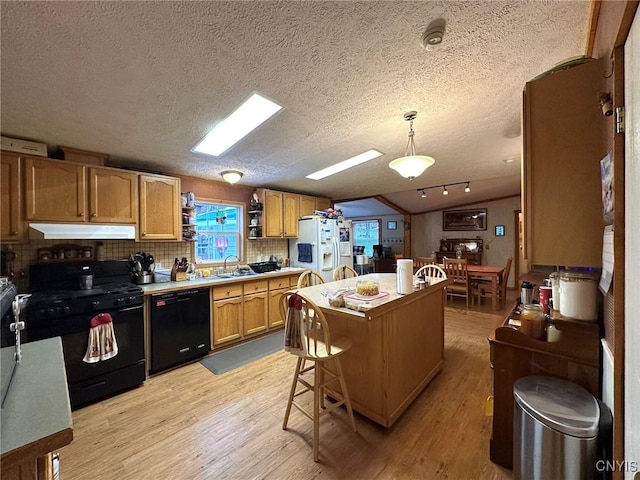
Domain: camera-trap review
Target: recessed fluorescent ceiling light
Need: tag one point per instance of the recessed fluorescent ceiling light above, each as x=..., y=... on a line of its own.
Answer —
x=351, y=162
x=247, y=117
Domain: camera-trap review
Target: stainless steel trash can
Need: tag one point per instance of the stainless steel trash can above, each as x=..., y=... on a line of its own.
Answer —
x=555, y=430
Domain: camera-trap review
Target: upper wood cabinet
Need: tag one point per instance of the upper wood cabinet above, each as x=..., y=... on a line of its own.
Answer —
x=160, y=210
x=281, y=213
x=113, y=195
x=55, y=190
x=307, y=205
x=10, y=191
x=322, y=203
x=561, y=188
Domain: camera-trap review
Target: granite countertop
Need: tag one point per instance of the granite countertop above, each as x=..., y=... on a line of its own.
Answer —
x=36, y=416
x=213, y=281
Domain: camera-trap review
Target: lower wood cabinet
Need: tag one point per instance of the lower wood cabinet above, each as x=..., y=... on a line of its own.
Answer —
x=277, y=288
x=227, y=314
x=255, y=307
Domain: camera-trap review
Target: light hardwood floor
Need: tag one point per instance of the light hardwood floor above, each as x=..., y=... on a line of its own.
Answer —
x=191, y=424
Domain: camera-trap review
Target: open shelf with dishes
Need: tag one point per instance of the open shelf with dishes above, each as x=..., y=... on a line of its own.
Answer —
x=255, y=223
x=188, y=224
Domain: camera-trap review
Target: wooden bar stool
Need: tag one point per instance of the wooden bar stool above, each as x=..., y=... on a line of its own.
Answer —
x=307, y=336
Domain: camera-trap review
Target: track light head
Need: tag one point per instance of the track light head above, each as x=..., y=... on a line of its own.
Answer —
x=444, y=190
x=467, y=189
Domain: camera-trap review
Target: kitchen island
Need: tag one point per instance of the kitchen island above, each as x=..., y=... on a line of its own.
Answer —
x=397, y=344
x=36, y=415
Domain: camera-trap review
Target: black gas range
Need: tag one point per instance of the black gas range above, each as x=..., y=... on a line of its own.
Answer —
x=59, y=307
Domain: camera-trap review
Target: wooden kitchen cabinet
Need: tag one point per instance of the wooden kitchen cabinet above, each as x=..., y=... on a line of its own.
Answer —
x=160, y=208
x=11, y=194
x=55, y=190
x=322, y=203
x=574, y=357
x=562, y=149
x=277, y=288
x=255, y=307
x=307, y=205
x=113, y=195
x=281, y=214
x=227, y=317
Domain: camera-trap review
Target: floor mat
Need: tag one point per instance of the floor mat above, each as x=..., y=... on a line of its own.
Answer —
x=235, y=357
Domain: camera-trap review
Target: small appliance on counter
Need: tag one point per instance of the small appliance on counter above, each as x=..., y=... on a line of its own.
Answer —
x=142, y=266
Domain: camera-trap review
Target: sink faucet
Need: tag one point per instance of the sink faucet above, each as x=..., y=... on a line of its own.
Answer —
x=224, y=265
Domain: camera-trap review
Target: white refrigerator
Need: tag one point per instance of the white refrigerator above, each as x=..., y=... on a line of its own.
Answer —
x=322, y=245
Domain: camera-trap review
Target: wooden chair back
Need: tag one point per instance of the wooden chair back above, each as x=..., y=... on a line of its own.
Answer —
x=420, y=262
x=456, y=269
x=343, y=271
x=309, y=278
x=505, y=279
x=314, y=334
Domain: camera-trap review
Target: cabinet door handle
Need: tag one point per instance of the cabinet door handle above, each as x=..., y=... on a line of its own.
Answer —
x=144, y=233
x=80, y=214
x=14, y=233
x=94, y=214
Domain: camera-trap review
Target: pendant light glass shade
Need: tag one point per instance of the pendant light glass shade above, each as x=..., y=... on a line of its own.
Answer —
x=411, y=165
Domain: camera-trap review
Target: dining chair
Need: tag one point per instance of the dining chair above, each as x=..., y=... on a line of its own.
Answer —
x=432, y=273
x=422, y=261
x=343, y=271
x=456, y=269
x=308, y=337
x=309, y=278
x=484, y=287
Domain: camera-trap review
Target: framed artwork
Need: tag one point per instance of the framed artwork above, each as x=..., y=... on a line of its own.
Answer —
x=464, y=220
x=606, y=173
x=392, y=225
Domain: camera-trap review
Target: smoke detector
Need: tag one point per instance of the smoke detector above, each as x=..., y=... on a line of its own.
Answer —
x=433, y=35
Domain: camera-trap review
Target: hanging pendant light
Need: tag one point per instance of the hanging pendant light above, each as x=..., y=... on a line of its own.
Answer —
x=411, y=165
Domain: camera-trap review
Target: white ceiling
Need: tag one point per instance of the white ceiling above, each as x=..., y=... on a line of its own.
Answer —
x=144, y=82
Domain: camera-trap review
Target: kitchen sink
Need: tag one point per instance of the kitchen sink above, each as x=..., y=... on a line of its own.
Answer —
x=235, y=274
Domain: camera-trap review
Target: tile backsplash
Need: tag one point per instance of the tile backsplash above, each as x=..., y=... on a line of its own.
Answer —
x=163, y=252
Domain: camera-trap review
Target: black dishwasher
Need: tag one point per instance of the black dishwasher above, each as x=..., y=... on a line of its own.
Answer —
x=180, y=328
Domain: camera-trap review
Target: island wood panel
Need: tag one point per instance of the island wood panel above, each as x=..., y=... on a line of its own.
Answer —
x=397, y=346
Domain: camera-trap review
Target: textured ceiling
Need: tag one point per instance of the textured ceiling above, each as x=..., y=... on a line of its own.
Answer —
x=144, y=82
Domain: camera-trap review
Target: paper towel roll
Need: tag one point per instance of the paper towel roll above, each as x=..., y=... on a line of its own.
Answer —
x=404, y=276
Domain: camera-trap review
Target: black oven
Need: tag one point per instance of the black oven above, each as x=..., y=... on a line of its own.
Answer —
x=69, y=313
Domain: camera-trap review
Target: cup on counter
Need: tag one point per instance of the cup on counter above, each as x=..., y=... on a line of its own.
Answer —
x=544, y=295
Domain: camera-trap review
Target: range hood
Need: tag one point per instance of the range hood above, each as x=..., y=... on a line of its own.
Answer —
x=81, y=231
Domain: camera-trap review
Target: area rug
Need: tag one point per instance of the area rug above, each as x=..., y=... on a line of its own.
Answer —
x=248, y=352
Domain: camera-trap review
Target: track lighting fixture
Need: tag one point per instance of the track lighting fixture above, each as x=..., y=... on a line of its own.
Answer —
x=445, y=191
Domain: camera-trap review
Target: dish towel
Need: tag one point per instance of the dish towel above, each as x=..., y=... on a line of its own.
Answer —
x=293, y=330
x=102, y=343
x=304, y=253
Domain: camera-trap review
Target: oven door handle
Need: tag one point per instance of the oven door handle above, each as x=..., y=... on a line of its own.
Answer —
x=129, y=309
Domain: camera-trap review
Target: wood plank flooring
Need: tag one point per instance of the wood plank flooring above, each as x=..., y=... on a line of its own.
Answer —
x=191, y=424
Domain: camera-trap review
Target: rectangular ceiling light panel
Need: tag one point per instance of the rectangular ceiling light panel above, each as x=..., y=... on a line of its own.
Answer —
x=248, y=116
x=350, y=162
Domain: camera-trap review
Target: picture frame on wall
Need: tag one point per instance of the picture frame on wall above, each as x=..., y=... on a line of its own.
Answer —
x=464, y=220
x=392, y=225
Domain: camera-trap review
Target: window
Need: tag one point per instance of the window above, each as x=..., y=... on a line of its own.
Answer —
x=366, y=233
x=219, y=228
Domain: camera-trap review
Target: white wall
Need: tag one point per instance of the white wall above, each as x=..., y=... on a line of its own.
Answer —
x=632, y=246
x=426, y=232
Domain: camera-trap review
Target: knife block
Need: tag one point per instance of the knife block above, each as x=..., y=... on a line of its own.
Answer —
x=177, y=275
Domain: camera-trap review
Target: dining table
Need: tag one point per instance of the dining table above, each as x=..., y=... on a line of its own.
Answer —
x=491, y=273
